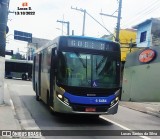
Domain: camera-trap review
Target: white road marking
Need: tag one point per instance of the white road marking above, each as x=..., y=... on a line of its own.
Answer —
x=12, y=106
x=150, y=108
x=22, y=84
x=123, y=127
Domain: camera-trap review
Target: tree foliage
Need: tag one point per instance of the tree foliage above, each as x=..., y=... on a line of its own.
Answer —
x=18, y=56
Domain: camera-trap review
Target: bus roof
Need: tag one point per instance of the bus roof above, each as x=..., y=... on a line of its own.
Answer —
x=92, y=38
x=19, y=61
x=82, y=37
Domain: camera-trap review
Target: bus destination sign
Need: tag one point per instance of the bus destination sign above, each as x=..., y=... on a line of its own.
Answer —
x=86, y=44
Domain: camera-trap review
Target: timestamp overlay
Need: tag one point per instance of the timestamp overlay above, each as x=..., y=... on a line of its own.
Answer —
x=24, y=9
x=40, y=133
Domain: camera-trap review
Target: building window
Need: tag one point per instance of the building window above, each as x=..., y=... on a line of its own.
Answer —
x=143, y=36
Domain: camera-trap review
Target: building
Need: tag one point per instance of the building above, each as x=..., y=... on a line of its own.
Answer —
x=36, y=43
x=148, y=33
x=141, y=70
x=127, y=39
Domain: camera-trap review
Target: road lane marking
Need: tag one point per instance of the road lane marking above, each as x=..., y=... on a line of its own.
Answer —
x=150, y=108
x=123, y=127
x=22, y=85
x=11, y=102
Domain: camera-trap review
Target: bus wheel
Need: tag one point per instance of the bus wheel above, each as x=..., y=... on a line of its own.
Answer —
x=37, y=97
x=24, y=77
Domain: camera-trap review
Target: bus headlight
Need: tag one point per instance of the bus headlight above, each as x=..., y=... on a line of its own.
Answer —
x=59, y=96
x=117, y=98
x=114, y=101
x=62, y=98
x=117, y=94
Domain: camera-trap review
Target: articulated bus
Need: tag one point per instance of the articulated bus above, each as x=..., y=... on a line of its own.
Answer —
x=15, y=68
x=77, y=74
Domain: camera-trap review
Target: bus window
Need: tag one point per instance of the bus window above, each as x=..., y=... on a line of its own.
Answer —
x=77, y=69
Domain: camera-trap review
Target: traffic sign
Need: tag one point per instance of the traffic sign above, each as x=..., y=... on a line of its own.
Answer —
x=22, y=36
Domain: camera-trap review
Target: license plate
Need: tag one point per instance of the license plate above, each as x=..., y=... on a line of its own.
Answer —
x=90, y=109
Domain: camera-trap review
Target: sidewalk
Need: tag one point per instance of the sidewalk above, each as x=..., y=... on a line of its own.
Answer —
x=152, y=108
x=8, y=120
x=15, y=116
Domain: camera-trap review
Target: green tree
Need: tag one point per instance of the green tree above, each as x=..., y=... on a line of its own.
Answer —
x=18, y=56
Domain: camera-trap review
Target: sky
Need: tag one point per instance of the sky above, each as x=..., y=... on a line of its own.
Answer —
x=44, y=23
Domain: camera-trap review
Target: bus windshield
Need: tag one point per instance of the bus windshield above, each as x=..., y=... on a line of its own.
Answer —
x=86, y=70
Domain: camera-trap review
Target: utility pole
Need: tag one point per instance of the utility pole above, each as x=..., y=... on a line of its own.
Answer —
x=84, y=21
x=84, y=18
x=72, y=32
x=4, y=5
x=118, y=20
x=85, y=12
x=67, y=25
x=101, y=24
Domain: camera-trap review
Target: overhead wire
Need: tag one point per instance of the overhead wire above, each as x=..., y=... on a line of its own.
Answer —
x=148, y=9
x=151, y=10
x=139, y=14
x=103, y=21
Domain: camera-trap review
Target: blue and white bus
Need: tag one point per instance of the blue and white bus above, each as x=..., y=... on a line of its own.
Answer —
x=15, y=68
x=78, y=74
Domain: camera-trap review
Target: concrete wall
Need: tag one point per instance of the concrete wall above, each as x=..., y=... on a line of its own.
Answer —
x=141, y=82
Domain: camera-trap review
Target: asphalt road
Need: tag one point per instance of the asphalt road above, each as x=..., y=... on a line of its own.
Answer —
x=125, y=119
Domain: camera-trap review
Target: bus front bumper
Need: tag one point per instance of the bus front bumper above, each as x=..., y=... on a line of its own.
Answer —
x=61, y=107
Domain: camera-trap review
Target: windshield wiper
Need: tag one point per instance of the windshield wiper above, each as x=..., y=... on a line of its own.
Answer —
x=80, y=58
x=83, y=63
x=100, y=63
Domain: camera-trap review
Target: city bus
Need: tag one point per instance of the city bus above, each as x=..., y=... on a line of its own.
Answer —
x=78, y=74
x=18, y=69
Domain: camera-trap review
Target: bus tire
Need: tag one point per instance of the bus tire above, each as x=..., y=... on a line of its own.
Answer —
x=24, y=77
x=37, y=96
